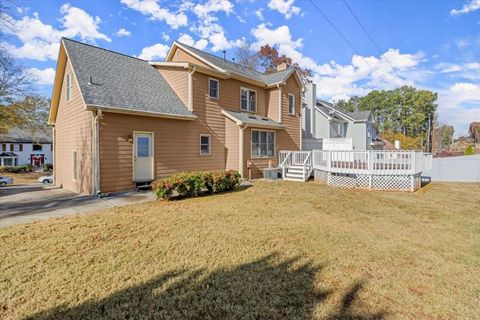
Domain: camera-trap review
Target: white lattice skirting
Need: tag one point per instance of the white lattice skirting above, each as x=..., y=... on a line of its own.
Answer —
x=398, y=182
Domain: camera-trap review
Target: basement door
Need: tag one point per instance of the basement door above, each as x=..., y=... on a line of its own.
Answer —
x=143, y=157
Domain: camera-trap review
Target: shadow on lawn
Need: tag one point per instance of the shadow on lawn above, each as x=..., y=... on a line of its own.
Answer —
x=263, y=289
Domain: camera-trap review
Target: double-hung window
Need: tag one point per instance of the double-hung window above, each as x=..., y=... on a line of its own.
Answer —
x=248, y=100
x=263, y=144
x=205, y=144
x=213, y=88
x=69, y=86
x=291, y=104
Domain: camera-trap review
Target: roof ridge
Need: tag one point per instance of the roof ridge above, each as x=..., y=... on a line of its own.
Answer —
x=233, y=63
x=104, y=49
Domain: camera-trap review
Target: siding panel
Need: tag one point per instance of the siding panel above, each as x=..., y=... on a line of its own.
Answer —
x=73, y=131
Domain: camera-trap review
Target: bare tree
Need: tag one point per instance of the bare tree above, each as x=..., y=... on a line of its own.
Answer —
x=246, y=57
x=14, y=82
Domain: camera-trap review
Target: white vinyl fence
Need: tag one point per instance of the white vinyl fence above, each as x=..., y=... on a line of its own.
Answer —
x=455, y=169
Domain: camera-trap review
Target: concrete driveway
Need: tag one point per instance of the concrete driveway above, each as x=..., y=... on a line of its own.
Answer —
x=30, y=202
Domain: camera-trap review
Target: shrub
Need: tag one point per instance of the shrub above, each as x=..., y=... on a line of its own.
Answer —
x=48, y=167
x=192, y=184
x=17, y=169
x=469, y=150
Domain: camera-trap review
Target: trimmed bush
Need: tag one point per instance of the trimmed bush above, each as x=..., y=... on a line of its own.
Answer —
x=17, y=169
x=469, y=150
x=47, y=167
x=192, y=184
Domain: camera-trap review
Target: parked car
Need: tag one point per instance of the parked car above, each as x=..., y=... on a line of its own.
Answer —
x=46, y=179
x=5, y=181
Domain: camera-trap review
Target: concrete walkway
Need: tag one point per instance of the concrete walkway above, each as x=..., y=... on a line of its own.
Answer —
x=31, y=202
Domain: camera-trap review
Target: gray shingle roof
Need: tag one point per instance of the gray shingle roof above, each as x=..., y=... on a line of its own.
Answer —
x=241, y=70
x=122, y=82
x=253, y=119
x=27, y=135
x=356, y=115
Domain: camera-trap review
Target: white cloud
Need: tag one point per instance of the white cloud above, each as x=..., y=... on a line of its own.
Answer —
x=156, y=51
x=455, y=105
x=469, y=70
x=79, y=23
x=204, y=10
x=207, y=27
x=259, y=14
x=471, y=6
x=122, y=32
x=188, y=40
x=152, y=8
x=165, y=36
x=42, y=76
x=40, y=41
x=274, y=37
x=285, y=7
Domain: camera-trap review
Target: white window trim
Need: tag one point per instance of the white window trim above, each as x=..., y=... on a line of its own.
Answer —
x=218, y=88
x=69, y=87
x=294, y=107
x=248, y=99
x=274, y=144
x=209, y=144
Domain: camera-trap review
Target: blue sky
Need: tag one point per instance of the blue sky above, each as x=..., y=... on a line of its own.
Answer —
x=433, y=45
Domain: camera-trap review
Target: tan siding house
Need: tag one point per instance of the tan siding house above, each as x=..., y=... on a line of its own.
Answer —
x=194, y=111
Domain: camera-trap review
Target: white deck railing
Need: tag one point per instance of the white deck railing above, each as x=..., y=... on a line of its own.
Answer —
x=370, y=161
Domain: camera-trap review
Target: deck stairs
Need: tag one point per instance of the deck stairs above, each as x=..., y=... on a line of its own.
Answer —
x=296, y=165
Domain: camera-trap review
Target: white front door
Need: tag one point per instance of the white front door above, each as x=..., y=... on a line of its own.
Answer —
x=143, y=157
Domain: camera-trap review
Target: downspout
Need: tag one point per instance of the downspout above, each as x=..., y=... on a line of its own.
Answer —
x=54, y=161
x=96, y=157
x=241, y=149
x=190, y=87
x=279, y=103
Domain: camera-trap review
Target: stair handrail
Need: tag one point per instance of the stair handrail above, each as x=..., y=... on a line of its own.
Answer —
x=283, y=165
x=307, y=164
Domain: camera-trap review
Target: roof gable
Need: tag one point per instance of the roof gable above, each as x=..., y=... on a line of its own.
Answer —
x=356, y=116
x=116, y=81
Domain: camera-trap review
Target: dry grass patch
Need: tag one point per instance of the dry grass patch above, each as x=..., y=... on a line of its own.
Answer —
x=275, y=250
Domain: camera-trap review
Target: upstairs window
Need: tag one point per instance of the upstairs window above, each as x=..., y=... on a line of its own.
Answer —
x=69, y=86
x=248, y=100
x=213, y=88
x=204, y=144
x=20, y=147
x=4, y=147
x=37, y=147
x=291, y=104
x=263, y=144
x=12, y=147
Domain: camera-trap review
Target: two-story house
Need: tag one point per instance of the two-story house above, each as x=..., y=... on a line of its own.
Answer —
x=21, y=146
x=119, y=120
x=329, y=127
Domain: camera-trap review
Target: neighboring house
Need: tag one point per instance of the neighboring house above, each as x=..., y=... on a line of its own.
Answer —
x=326, y=126
x=22, y=146
x=119, y=121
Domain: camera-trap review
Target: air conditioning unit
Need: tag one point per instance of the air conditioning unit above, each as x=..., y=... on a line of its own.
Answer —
x=270, y=173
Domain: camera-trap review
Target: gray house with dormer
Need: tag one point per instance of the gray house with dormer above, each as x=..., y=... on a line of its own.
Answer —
x=329, y=127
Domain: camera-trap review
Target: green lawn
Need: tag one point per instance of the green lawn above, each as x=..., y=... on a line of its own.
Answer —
x=277, y=250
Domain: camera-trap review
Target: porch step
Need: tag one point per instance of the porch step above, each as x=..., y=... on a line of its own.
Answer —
x=295, y=170
x=294, y=176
